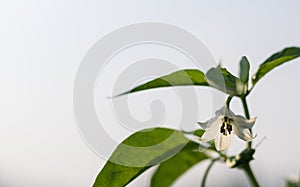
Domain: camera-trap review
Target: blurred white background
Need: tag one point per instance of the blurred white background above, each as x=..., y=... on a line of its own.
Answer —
x=43, y=42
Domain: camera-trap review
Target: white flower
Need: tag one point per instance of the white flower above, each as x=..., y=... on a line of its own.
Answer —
x=224, y=125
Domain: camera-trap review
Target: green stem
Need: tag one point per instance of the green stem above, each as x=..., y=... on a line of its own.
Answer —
x=246, y=111
x=222, y=155
x=246, y=166
x=250, y=175
x=207, y=171
x=228, y=100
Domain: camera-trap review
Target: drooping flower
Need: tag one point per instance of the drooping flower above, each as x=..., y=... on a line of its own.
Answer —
x=222, y=127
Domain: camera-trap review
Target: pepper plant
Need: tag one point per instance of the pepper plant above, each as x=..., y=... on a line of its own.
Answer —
x=176, y=152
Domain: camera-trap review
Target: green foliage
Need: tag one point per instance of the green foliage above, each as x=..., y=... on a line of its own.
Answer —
x=188, y=77
x=290, y=183
x=244, y=70
x=170, y=149
x=275, y=60
x=218, y=78
x=198, y=132
x=170, y=170
x=116, y=175
x=221, y=78
x=139, y=152
x=224, y=81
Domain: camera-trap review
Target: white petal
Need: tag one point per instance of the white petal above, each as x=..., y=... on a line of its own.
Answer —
x=242, y=122
x=223, y=142
x=210, y=123
x=210, y=133
x=224, y=111
x=243, y=134
x=221, y=111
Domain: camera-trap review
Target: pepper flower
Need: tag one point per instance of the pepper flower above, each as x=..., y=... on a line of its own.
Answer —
x=222, y=127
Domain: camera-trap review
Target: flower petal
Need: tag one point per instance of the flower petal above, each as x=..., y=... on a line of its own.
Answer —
x=224, y=111
x=210, y=123
x=242, y=122
x=223, y=142
x=243, y=134
x=221, y=111
x=210, y=133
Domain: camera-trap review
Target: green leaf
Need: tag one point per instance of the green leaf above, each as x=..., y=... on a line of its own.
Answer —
x=224, y=81
x=244, y=70
x=275, y=60
x=199, y=132
x=139, y=152
x=188, y=77
x=168, y=171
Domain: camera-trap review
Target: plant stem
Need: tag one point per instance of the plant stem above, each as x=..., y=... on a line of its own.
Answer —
x=250, y=175
x=246, y=111
x=228, y=100
x=246, y=166
x=207, y=171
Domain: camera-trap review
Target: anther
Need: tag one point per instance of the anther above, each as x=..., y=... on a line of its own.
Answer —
x=229, y=128
x=222, y=130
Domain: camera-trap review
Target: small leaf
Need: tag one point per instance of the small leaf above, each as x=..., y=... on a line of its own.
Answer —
x=139, y=152
x=244, y=70
x=168, y=171
x=188, y=77
x=224, y=81
x=275, y=60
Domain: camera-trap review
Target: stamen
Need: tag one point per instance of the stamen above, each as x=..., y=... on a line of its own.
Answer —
x=226, y=127
x=222, y=130
x=229, y=128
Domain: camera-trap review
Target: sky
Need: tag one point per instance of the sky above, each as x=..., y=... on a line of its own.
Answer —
x=44, y=43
